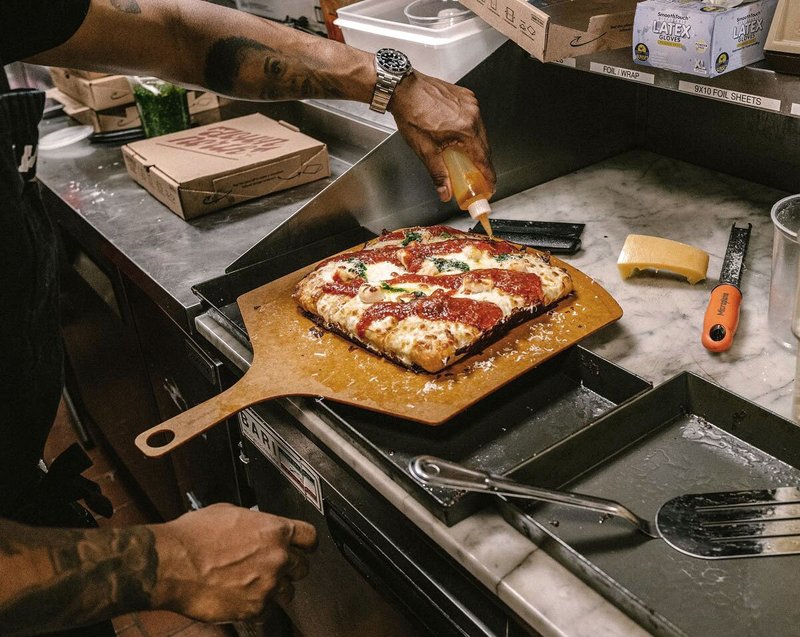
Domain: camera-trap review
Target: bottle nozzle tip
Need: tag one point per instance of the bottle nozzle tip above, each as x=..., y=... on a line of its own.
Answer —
x=479, y=208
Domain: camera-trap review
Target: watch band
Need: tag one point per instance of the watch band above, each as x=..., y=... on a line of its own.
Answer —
x=384, y=89
x=391, y=67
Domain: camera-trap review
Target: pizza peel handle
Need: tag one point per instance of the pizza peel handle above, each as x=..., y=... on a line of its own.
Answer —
x=176, y=431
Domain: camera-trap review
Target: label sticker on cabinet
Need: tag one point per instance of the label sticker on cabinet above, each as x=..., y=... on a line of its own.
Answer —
x=294, y=468
x=795, y=109
x=622, y=72
x=727, y=95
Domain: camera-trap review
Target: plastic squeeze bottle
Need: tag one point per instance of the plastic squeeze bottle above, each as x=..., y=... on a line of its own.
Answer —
x=470, y=187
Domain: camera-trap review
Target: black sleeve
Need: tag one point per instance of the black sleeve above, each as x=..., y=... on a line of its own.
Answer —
x=28, y=27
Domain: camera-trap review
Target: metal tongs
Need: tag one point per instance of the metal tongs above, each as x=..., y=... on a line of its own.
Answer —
x=441, y=473
x=726, y=524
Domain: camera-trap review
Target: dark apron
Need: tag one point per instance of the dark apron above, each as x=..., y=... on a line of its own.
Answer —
x=31, y=358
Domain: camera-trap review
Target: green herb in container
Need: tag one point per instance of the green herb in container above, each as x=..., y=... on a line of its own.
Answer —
x=162, y=106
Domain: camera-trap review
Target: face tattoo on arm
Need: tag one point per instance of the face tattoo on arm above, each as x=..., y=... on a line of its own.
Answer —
x=235, y=63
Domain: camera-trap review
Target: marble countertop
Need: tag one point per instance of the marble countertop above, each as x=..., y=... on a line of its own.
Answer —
x=659, y=334
x=658, y=337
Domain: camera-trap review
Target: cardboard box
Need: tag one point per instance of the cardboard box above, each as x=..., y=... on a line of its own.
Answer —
x=203, y=169
x=87, y=75
x=99, y=94
x=782, y=48
x=124, y=117
x=552, y=30
x=700, y=39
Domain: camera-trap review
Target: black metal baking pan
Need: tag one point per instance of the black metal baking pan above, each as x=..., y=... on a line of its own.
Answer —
x=534, y=412
x=552, y=236
x=685, y=436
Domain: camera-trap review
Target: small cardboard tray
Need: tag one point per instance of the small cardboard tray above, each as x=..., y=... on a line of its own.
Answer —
x=534, y=412
x=685, y=436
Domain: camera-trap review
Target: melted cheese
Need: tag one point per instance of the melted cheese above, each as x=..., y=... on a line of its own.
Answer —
x=382, y=271
x=642, y=252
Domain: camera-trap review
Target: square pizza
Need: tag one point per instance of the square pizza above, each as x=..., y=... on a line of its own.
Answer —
x=425, y=297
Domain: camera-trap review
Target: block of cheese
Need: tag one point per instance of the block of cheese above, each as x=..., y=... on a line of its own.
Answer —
x=643, y=252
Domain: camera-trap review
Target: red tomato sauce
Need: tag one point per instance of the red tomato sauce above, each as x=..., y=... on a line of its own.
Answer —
x=349, y=288
x=524, y=284
x=439, y=306
x=388, y=254
x=415, y=254
x=434, y=231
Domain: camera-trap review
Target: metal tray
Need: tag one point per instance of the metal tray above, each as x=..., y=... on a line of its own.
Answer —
x=504, y=430
x=685, y=436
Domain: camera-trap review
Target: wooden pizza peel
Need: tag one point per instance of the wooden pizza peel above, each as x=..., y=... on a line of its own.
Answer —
x=292, y=356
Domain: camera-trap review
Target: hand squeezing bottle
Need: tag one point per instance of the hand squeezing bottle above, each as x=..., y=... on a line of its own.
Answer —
x=470, y=187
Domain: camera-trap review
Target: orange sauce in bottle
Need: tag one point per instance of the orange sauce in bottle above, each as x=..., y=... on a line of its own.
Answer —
x=470, y=187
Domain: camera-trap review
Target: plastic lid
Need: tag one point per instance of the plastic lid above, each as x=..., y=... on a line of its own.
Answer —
x=479, y=208
x=64, y=137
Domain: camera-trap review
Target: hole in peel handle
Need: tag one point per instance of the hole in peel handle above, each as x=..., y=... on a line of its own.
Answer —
x=721, y=318
x=176, y=431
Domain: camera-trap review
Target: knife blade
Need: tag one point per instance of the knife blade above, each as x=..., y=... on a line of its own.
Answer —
x=722, y=314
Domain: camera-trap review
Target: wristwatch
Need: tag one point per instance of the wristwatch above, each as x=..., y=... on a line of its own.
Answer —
x=391, y=66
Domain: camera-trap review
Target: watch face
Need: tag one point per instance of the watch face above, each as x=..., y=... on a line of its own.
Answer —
x=393, y=61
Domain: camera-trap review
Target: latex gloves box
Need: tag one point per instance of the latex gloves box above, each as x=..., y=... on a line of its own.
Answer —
x=698, y=38
x=203, y=169
x=552, y=30
x=124, y=117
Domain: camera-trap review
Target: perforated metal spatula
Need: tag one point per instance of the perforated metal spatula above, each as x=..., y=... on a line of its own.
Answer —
x=729, y=524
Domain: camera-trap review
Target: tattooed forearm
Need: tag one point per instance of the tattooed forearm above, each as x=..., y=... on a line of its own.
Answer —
x=58, y=578
x=126, y=6
x=226, y=60
x=243, y=67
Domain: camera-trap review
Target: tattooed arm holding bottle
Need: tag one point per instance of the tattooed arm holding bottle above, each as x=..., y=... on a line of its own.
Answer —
x=232, y=53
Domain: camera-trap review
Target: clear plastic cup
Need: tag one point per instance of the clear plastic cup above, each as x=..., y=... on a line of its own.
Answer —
x=436, y=14
x=785, y=262
x=163, y=107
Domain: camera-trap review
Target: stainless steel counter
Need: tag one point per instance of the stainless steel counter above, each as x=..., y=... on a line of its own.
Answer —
x=92, y=195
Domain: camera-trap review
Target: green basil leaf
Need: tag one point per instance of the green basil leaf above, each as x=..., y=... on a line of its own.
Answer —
x=449, y=264
x=358, y=267
x=389, y=288
x=411, y=236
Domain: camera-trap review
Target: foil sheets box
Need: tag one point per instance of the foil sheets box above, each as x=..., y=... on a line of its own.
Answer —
x=200, y=170
x=690, y=36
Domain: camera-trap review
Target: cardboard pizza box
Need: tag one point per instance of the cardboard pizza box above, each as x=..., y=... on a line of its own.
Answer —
x=552, y=30
x=88, y=75
x=200, y=170
x=98, y=94
x=124, y=117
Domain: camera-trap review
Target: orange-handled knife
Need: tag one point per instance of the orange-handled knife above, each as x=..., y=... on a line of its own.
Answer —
x=722, y=313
